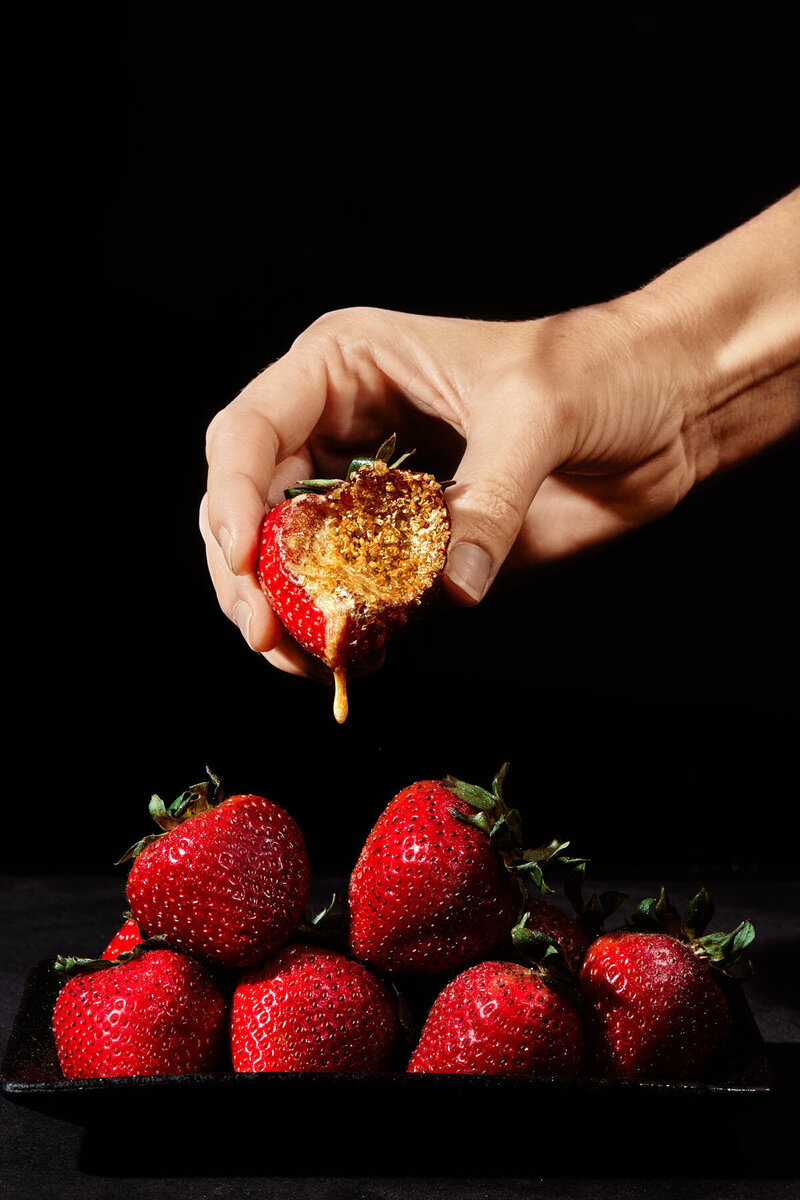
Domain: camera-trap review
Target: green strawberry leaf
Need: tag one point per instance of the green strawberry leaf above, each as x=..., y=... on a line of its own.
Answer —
x=478, y=797
x=697, y=917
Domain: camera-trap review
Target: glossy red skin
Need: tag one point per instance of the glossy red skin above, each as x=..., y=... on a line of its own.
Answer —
x=651, y=1009
x=160, y=1014
x=499, y=1018
x=288, y=599
x=428, y=892
x=228, y=885
x=564, y=929
x=126, y=937
x=311, y=1009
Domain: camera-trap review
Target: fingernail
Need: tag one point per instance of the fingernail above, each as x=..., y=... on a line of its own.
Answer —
x=469, y=568
x=226, y=543
x=243, y=615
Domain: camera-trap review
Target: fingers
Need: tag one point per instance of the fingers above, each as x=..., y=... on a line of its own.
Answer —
x=266, y=424
x=239, y=595
x=504, y=464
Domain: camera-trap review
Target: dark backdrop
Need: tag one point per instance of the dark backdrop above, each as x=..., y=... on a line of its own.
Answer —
x=194, y=192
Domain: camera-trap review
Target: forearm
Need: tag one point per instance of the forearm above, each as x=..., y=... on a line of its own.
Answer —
x=731, y=312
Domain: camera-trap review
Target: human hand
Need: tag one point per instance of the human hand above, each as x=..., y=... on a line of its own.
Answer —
x=560, y=432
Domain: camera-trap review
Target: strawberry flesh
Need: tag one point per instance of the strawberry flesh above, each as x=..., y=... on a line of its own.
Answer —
x=346, y=569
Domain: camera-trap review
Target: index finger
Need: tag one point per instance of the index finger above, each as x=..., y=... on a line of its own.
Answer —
x=265, y=423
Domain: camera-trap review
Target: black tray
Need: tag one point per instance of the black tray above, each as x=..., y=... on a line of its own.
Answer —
x=363, y=1110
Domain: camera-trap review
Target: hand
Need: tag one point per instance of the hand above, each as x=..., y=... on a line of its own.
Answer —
x=560, y=432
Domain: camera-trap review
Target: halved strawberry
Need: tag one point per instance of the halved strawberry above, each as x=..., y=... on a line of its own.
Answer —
x=344, y=563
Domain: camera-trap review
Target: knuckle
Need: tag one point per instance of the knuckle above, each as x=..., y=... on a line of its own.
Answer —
x=337, y=331
x=495, y=505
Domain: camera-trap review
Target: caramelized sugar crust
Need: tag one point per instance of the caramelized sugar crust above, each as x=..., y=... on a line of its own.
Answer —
x=377, y=539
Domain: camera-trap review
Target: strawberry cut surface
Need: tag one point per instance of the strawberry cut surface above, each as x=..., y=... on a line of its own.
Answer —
x=345, y=569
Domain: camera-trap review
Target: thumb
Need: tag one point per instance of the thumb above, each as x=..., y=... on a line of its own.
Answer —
x=496, y=482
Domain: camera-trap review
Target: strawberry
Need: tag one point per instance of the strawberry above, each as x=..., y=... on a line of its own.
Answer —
x=226, y=881
x=572, y=932
x=566, y=930
x=498, y=1018
x=311, y=1008
x=344, y=563
x=653, y=1006
x=126, y=937
x=437, y=883
x=152, y=1011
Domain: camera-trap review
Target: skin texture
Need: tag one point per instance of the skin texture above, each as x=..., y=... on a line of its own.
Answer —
x=160, y=1014
x=126, y=937
x=562, y=432
x=499, y=1018
x=651, y=1008
x=311, y=1009
x=428, y=892
x=228, y=885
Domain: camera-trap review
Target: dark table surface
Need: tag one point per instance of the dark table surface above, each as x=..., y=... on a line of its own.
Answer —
x=717, y=1150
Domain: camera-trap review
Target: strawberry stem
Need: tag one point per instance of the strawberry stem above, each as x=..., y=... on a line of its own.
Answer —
x=196, y=799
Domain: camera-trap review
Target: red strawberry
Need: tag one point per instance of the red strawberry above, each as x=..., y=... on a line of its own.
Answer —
x=653, y=1009
x=572, y=932
x=344, y=563
x=432, y=889
x=152, y=1012
x=228, y=879
x=565, y=930
x=311, y=1008
x=126, y=937
x=500, y=1018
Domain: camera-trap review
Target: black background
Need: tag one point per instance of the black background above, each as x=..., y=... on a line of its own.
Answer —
x=191, y=194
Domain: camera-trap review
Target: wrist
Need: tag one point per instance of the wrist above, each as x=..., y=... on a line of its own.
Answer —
x=731, y=315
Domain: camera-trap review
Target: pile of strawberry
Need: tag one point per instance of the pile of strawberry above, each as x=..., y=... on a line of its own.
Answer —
x=446, y=954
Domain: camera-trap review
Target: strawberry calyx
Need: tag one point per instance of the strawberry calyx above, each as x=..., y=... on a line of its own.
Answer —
x=543, y=954
x=72, y=964
x=383, y=454
x=594, y=912
x=200, y=797
x=503, y=826
x=328, y=926
x=720, y=951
